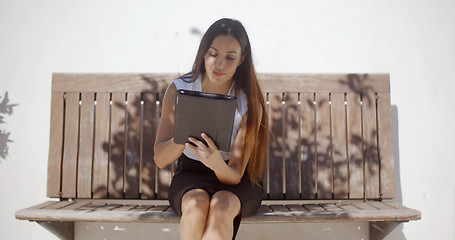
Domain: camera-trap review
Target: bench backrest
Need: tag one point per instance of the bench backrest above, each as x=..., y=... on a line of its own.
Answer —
x=331, y=136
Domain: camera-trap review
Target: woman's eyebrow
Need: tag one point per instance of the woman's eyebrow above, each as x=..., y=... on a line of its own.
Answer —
x=218, y=50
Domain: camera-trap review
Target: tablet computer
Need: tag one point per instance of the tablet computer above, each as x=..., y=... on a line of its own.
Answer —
x=201, y=112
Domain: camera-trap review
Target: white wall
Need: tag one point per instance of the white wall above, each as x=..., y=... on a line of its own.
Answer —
x=413, y=40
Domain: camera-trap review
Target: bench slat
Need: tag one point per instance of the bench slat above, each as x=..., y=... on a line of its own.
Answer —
x=387, y=168
x=313, y=207
x=276, y=155
x=84, y=171
x=325, y=83
x=308, y=141
x=323, y=147
x=296, y=208
x=71, y=145
x=74, y=205
x=354, y=141
x=291, y=145
x=347, y=206
x=149, y=127
x=110, y=83
x=132, y=158
x=55, y=145
x=370, y=146
x=117, y=146
x=340, y=163
x=149, y=82
x=58, y=205
x=331, y=207
x=364, y=206
x=101, y=146
x=266, y=172
x=279, y=208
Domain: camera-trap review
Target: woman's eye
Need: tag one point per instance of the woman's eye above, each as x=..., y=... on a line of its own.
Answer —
x=230, y=58
x=213, y=55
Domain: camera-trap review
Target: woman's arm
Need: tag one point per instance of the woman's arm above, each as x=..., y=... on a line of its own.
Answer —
x=237, y=164
x=166, y=151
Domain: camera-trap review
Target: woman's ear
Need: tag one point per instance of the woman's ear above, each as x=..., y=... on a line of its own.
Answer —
x=241, y=60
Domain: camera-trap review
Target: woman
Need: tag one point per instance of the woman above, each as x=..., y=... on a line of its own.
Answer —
x=211, y=189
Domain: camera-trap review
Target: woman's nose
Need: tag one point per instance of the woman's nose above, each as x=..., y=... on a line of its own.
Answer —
x=219, y=61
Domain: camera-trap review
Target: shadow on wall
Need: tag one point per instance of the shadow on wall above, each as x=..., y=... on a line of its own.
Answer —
x=5, y=109
x=397, y=233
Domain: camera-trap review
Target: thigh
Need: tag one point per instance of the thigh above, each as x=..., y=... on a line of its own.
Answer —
x=180, y=185
x=250, y=196
x=226, y=201
x=195, y=199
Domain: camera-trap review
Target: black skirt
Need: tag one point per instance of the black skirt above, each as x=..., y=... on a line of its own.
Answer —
x=191, y=174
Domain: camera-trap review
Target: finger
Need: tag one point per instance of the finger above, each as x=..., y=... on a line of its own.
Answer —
x=209, y=141
x=198, y=143
x=195, y=150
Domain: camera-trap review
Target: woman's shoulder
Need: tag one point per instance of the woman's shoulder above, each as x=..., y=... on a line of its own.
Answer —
x=185, y=82
x=171, y=91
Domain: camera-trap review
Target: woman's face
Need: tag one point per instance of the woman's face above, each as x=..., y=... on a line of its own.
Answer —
x=222, y=58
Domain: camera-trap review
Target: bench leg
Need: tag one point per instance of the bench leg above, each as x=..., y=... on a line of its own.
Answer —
x=379, y=230
x=63, y=230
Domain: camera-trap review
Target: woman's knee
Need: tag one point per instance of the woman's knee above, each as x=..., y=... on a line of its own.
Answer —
x=225, y=203
x=196, y=199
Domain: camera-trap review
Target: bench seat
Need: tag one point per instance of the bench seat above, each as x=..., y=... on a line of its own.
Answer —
x=146, y=211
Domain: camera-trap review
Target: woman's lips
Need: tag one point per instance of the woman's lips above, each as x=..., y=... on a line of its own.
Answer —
x=218, y=74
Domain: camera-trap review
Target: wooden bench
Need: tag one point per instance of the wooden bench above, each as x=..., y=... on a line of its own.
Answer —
x=330, y=154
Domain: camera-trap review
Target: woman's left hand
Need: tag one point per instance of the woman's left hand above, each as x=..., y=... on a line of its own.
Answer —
x=208, y=154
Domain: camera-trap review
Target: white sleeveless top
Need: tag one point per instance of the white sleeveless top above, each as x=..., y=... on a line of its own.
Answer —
x=242, y=107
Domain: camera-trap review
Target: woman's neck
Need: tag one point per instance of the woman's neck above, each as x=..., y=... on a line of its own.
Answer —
x=211, y=87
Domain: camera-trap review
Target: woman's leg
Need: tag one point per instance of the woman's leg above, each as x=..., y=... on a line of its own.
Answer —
x=224, y=207
x=195, y=207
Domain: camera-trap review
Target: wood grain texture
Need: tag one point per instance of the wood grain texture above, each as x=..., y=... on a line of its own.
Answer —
x=149, y=128
x=385, y=147
x=323, y=148
x=354, y=141
x=291, y=145
x=325, y=83
x=84, y=166
x=339, y=147
x=308, y=146
x=117, y=146
x=276, y=151
x=101, y=146
x=71, y=145
x=370, y=146
x=150, y=212
x=132, y=158
x=105, y=82
x=55, y=145
x=149, y=82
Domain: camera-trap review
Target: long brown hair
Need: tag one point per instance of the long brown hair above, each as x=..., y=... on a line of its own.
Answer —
x=246, y=80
